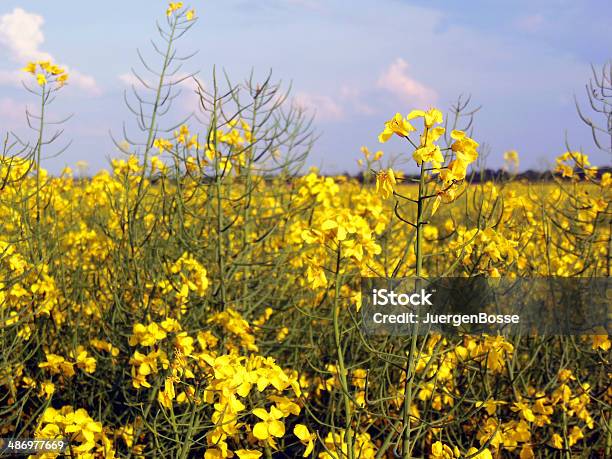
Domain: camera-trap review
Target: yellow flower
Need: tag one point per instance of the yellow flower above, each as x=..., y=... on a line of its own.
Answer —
x=58, y=365
x=225, y=165
x=166, y=396
x=385, y=181
x=316, y=277
x=182, y=134
x=307, y=439
x=396, y=125
x=431, y=135
x=454, y=172
x=162, y=144
x=84, y=361
x=56, y=70
x=282, y=334
x=45, y=65
x=511, y=156
x=428, y=154
x=146, y=335
x=30, y=68
x=47, y=388
x=464, y=147
x=556, y=441
x=601, y=342
x=41, y=79
x=193, y=142
x=443, y=196
x=85, y=427
x=170, y=325
x=525, y=411
x=105, y=346
x=285, y=405
x=566, y=375
x=173, y=6
x=334, y=230
x=490, y=406
x=271, y=426
x=157, y=164
x=526, y=452
x=190, y=15
x=142, y=366
x=575, y=435
x=248, y=454
x=441, y=451
x=430, y=117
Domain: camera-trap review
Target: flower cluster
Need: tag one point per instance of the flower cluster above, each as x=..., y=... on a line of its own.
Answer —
x=47, y=73
x=88, y=439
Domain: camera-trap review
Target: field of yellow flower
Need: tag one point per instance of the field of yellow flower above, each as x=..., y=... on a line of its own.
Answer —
x=200, y=298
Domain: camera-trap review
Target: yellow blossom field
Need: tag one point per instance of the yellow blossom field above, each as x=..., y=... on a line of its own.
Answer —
x=200, y=297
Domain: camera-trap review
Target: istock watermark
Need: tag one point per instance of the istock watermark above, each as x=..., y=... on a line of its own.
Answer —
x=383, y=297
x=476, y=305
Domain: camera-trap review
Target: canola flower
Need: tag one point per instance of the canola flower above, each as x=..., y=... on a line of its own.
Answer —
x=397, y=125
x=385, y=181
x=174, y=7
x=451, y=175
x=46, y=73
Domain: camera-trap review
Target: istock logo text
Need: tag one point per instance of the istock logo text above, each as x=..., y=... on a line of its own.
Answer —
x=383, y=297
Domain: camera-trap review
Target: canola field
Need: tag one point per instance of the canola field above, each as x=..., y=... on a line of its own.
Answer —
x=200, y=297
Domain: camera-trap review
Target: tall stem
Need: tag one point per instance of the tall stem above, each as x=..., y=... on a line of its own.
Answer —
x=348, y=411
x=38, y=161
x=152, y=127
x=410, y=364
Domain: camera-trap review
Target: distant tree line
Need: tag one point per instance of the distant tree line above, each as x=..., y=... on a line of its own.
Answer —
x=495, y=175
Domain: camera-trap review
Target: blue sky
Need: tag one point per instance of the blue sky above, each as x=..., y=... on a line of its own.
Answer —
x=356, y=63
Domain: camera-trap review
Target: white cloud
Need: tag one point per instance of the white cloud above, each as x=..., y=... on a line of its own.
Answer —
x=396, y=80
x=354, y=96
x=130, y=79
x=21, y=36
x=190, y=100
x=349, y=99
x=324, y=107
x=83, y=81
x=188, y=81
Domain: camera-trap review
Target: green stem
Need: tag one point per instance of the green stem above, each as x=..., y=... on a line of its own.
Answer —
x=348, y=434
x=410, y=364
x=38, y=162
x=160, y=85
